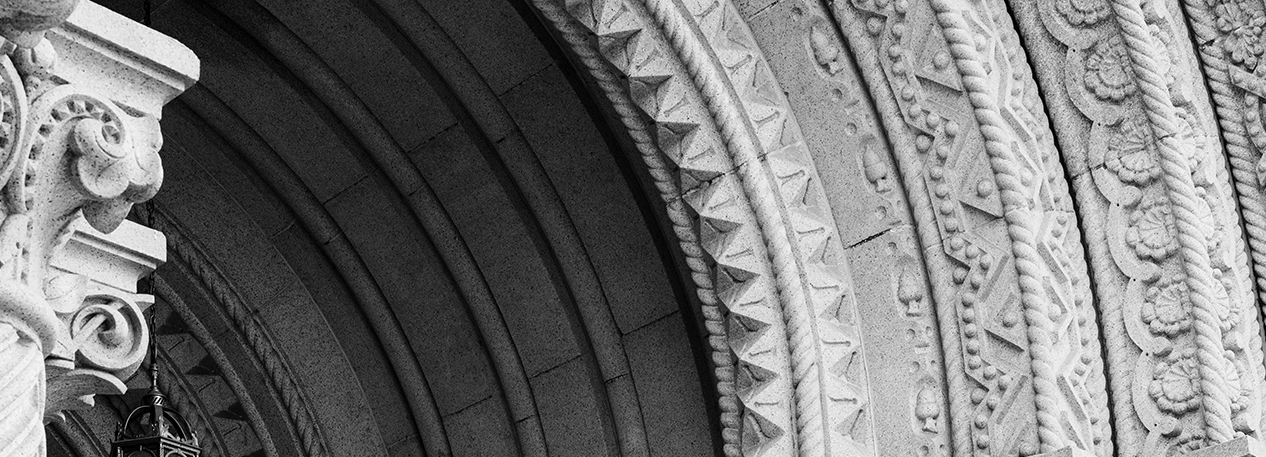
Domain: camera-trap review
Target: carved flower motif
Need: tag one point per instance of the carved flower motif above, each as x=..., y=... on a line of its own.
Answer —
x=1223, y=308
x=1241, y=29
x=1108, y=72
x=1132, y=156
x=1151, y=231
x=1239, y=393
x=1190, y=132
x=1082, y=12
x=1175, y=381
x=1167, y=307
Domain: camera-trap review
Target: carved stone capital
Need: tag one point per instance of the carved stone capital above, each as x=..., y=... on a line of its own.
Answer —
x=102, y=334
x=79, y=145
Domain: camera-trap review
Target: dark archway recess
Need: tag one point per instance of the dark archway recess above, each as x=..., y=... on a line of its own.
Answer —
x=403, y=228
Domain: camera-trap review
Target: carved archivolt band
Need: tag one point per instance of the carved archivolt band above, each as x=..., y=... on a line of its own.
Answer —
x=1018, y=191
x=1114, y=222
x=691, y=71
x=1182, y=293
x=1191, y=237
x=1011, y=174
x=761, y=350
x=984, y=172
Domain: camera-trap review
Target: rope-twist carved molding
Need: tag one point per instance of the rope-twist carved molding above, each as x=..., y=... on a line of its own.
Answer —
x=1166, y=253
x=1236, y=98
x=653, y=146
x=1032, y=201
x=1177, y=172
x=1016, y=194
x=714, y=103
x=280, y=375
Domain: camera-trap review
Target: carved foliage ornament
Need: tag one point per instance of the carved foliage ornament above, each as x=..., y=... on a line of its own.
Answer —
x=66, y=154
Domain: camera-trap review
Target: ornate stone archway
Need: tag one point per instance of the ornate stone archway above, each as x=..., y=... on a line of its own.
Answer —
x=680, y=227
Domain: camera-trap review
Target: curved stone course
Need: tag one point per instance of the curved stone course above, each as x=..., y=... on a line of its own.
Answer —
x=639, y=227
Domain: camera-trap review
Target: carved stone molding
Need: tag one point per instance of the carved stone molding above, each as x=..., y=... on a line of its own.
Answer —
x=767, y=258
x=1183, y=341
x=977, y=144
x=1045, y=237
x=1015, y=213
x=277, y=371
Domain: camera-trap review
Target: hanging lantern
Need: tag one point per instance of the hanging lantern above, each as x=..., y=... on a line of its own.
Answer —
x=153, y=429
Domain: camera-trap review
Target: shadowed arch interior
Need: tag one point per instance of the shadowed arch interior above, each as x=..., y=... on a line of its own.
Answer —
x=404, y=228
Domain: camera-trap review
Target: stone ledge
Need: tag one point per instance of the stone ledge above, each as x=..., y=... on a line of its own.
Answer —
x=117, y=259
x=132, y=64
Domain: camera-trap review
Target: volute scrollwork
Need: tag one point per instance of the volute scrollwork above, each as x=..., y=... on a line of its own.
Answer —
x=101, y=343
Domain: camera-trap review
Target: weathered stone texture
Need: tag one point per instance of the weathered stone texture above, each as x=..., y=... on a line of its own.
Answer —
x=640, y=227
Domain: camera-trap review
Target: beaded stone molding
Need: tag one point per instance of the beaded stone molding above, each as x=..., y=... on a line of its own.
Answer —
x=1073, y=204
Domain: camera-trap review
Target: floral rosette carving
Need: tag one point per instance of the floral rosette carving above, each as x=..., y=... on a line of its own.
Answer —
x=1108, y=75
x=1167, y=307
x=1132, y=156
x=1227, y=313
x=1233, y=370
x=1083, y=12
x=1175, y=382
x=1145, y=278
x=1240, y=31
x=1151, y=232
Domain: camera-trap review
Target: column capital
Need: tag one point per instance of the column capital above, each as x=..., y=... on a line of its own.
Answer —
x=81, y=92
x=103, y=335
